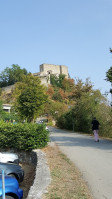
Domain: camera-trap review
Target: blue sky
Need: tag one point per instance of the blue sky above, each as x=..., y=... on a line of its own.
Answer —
x=75, y=33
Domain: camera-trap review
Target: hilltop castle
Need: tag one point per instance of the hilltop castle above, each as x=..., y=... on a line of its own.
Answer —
x=44, y=75
x=47, y=69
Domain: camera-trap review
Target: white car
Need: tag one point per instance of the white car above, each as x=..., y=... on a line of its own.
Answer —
x=8, y=157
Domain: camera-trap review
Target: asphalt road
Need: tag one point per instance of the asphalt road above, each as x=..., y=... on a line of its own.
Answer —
x=94, y=159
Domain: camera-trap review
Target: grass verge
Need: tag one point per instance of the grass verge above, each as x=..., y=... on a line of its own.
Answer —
x=66, y=182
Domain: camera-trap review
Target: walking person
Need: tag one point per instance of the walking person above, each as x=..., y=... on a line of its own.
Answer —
x=95, y=129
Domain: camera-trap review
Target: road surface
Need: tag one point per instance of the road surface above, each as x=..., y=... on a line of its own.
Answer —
x=94, y=159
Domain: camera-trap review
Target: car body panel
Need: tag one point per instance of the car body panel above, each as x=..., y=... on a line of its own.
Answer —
x=11, y=187
x=14, y=169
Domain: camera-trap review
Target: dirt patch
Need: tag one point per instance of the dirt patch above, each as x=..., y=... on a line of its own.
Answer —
x=29, y=175
x=66, y=179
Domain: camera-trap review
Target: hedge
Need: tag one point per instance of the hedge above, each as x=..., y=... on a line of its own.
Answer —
x=25, y=136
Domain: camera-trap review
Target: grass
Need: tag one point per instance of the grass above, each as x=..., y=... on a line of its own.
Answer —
x=66, y=182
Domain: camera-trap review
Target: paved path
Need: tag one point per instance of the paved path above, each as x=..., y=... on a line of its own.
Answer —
x=93, y=159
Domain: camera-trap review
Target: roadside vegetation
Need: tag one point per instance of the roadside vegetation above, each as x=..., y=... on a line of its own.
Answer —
x=26, y=136
x=72, y=104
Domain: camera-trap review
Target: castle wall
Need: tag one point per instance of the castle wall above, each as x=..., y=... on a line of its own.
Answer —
x=64, y=70
x=47, y=69
x=50, y=67
x=45, y=80
x=54, y=69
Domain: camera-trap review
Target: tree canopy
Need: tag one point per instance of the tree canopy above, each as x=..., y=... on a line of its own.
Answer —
x=30, y=97
x=12, y=75
x=109, y=72
x=109, y=75
x=90, y=104
x=57, y=81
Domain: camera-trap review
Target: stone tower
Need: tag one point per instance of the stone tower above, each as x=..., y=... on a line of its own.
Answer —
x=54, y=69
x=47, y=69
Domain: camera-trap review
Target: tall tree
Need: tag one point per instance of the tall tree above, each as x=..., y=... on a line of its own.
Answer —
x=109, y=72
x=81, y=87
x=85, y=108
x=68, y=85
x=30, y=97
x=12, y=75
x=109, y=75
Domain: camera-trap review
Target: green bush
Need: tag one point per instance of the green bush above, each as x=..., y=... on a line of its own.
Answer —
x=9, y=116
x=81, y=117
x=23, y=136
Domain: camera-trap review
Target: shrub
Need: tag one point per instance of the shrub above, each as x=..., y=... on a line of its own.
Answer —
x=23, y=136
x=81, y=117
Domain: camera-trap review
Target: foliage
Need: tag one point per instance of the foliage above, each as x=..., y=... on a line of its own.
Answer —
x=10, y=117
x=0, y=91
x=23, y=136
x=5, y=116
x=57, y=96
x=68, y=85
x=1, y=109
x=56, y=81
x=65, y=121
x=55, y=109
x=30, y=97
x=73, y=103
x=81, y=100
x=68, y=90
x=50, y=91
x=12, y=75
x=109, y=72
x=85, y=108
x=109, y=75
x=104, y=115
x=80, y=88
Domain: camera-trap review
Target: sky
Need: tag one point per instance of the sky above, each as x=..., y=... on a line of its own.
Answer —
x=74, y=33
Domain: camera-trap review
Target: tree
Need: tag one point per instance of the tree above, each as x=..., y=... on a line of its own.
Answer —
x=55, y=108
x=30, y=97
x=12, y=75
x=1, y=109
x=85, y=108
x=109, y=75
x=68, y=85
x=109, y=72
x=80, y=88
x=50, y=91
x=57, y=81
